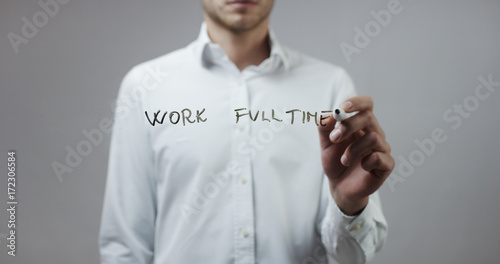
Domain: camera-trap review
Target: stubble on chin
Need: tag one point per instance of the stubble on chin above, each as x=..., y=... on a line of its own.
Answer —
x=237, y=21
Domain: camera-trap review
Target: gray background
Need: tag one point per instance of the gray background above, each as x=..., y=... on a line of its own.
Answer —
x=65, y=79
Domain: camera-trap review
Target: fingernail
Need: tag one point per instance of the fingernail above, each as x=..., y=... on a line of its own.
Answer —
x=335, y=135
x=344, y=160
x=346, y=105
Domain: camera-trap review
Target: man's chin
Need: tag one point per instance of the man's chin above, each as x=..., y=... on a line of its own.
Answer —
x=240, y=25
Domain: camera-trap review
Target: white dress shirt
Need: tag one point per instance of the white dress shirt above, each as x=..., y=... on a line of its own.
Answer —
x=201, y=187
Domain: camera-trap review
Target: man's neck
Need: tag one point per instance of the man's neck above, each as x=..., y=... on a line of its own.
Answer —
x=243, y=48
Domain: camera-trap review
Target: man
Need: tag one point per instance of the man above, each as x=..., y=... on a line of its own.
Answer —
x=221, y=161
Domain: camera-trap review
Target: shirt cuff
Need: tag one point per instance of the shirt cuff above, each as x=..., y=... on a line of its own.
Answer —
x=354, y=239
x=355, y=226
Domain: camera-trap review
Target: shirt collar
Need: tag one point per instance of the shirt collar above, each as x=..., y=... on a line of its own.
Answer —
x=209, y=52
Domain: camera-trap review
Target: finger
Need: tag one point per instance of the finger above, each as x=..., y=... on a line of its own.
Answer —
x=331, y=157
x=358, y=103
x=380, y=164
x=370, y=142
x=365, y=121
x=325, y=128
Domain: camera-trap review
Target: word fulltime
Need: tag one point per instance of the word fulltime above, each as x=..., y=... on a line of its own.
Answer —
x=185, y=116
x=306, y=116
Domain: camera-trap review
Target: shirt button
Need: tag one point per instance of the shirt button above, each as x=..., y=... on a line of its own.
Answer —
x=356, y=228
x=245, y=233
x=243, y=180
x=241, y=127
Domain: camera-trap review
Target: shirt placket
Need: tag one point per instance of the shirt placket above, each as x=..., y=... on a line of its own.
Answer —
x=244, y=221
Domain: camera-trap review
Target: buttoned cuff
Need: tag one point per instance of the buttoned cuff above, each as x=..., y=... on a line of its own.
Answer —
x=356, y=226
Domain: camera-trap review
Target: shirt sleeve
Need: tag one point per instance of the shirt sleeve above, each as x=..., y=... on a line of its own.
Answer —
x=351, y=239
x=354, y=239
x=129, y=211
